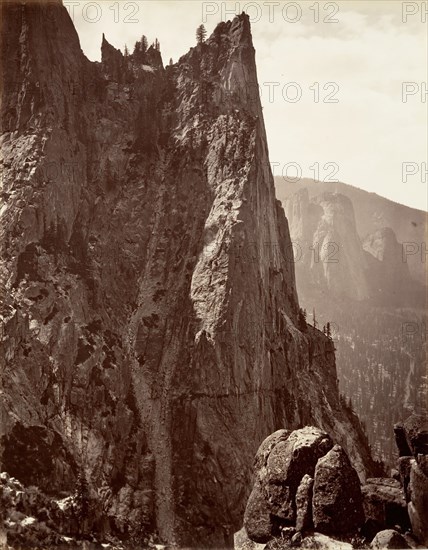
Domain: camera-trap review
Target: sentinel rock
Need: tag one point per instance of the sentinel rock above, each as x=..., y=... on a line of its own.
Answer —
x=150, y=338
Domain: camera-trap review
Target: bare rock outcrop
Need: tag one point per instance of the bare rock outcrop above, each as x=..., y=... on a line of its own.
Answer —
x=288, y=462
x=418, y=504
x=307, y=482
x=331, y=507
x=384, y=505
x=389, y=539
x=337, y=504
x=304, y=504
x=328, y=249
x=412, y=437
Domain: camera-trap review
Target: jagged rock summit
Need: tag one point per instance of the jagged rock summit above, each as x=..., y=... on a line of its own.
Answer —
x=149, y=337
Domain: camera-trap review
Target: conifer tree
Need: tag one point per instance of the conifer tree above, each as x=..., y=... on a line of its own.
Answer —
x=82, y=500
x=144, y=43
x=302, y=319
x=201, y=33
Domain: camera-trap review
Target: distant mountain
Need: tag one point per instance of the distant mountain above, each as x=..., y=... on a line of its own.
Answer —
x=348, y=253
x=330, y=254
x=373, y=212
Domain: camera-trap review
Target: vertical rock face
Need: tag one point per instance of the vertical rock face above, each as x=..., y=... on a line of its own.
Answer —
x=390, y=271
x=372, y=213
x=149, y=309
x=331, y=257
x=329, y=252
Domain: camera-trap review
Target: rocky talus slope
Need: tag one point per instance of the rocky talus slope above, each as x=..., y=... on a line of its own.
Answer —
x=149, y=339
x=307, y=494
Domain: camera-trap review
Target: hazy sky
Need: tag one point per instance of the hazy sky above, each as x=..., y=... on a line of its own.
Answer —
x=331, y=77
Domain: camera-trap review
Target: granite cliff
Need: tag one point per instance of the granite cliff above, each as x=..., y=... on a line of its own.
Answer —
x=331, y=256
x=373, y=213
x=328, y=251
x=150, y=322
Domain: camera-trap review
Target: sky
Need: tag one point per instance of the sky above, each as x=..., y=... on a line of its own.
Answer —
x=343, y=84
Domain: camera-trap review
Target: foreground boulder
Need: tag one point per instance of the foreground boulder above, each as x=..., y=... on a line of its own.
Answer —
x=308, y=495
x=416, y=431
x=337, y=504
x=288, y=462
x=412, y=442
x=302, y=480
x=389, y=539
x=257, y=518
x=281, y=462
x=304, y=504
x=241, y=541
x=418, y=505
x=384, y=505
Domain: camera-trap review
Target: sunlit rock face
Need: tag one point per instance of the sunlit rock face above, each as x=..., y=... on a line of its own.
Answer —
x=327, y=249
x=149, y=312
x=331, y=258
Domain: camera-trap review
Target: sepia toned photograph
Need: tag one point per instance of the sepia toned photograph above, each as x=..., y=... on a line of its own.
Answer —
x=213, y=275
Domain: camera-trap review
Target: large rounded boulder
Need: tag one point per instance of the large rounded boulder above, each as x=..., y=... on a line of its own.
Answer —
x=281, y=462
x=337, y=503
x=288, y=462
